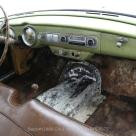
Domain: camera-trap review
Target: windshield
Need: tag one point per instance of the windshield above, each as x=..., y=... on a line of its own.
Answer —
x=119, y=6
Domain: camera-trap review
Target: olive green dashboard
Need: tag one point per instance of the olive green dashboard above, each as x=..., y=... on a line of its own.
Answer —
x=83, y=37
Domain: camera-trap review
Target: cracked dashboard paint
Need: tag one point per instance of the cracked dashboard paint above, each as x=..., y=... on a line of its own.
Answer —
x=112, y=37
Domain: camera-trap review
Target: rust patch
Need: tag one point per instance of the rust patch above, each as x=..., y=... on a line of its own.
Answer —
x=44, y=74
x=20, y=57
x=115, y=117
x=119, y=76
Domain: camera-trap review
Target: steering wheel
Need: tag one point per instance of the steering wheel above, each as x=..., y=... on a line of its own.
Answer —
x=4, y=26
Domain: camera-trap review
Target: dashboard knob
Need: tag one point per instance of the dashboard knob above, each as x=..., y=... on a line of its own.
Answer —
x=121, y=41
x=63, y=39
x=91, y=42
x=119, y=44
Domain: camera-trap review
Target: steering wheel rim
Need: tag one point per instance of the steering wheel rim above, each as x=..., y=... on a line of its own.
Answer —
x=6, y=39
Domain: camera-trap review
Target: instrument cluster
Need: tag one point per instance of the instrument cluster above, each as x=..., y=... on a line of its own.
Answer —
x=29, y=36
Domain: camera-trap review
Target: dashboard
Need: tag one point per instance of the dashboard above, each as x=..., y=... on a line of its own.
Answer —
x=77, y=37
x=63, y=41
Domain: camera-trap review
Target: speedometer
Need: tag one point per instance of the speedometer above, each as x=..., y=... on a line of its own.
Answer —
x=29, y=36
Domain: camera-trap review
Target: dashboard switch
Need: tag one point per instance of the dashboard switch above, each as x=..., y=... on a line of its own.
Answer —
x=91, y=42
x=119, y=44
x=63, y=39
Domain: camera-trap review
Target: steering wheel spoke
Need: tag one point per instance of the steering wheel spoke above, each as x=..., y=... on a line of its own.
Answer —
x=4, y=27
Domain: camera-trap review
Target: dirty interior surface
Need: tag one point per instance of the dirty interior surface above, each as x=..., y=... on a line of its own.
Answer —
x=79, y=92
x=45, y=72
x=115, y=116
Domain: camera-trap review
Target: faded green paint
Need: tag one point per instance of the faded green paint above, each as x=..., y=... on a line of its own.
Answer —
x=105, y=29
x=95, y=24
x=69, y=53
x=119, y=18
x=63, y=30
x=108, y=46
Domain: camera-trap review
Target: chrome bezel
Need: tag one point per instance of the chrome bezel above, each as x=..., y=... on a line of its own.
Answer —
x=25, y=40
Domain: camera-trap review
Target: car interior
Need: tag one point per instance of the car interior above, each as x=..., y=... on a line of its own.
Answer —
x=68, y=72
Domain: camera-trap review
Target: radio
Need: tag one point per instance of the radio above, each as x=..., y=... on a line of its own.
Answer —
x=77, y=40
x=86, y=41
x=81, y=40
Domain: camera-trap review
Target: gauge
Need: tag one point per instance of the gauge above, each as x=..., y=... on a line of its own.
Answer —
x=29, y=36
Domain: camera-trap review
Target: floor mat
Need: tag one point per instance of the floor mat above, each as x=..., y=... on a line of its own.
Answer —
x=78, y=93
